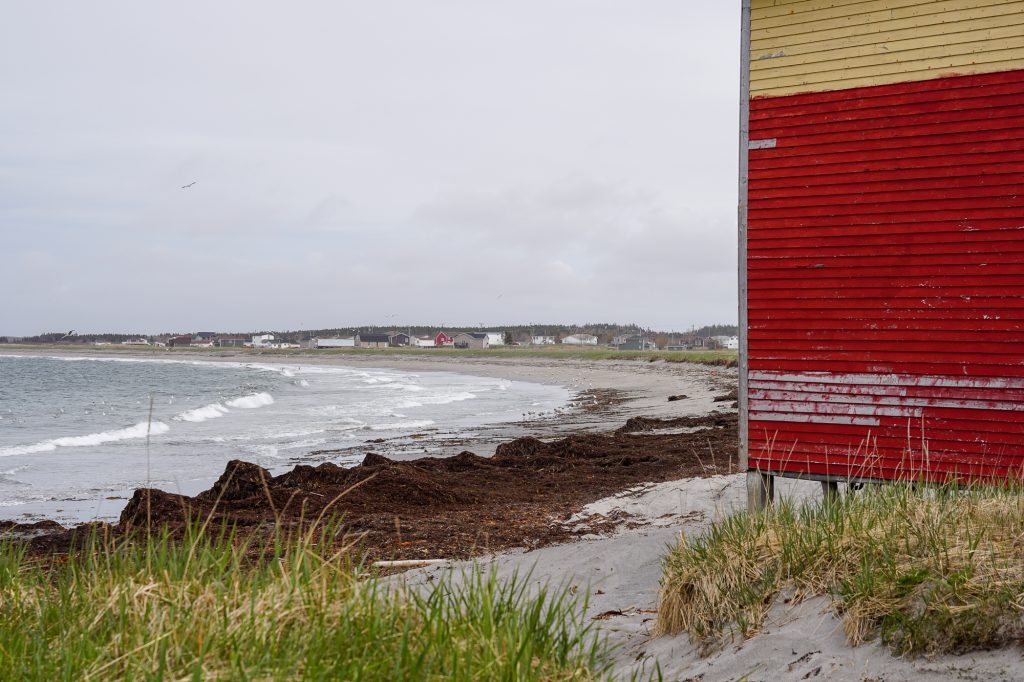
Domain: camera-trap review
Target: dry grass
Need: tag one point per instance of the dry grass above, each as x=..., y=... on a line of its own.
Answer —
x=202, y=609
x=927, y=569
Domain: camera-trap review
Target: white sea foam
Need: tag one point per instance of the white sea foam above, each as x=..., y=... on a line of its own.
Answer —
x=446, y=398
x=201, y=414
x=138, y=431
x=311, y=443
x=250, y=402
x=401, y=426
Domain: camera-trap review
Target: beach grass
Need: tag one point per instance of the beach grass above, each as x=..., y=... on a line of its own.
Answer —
x=926, y=569
x=204, y=608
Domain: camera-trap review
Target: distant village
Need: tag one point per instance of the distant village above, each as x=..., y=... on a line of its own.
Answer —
x=631, y=340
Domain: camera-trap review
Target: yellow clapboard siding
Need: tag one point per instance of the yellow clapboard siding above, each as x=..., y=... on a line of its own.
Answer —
x=987, y=17
x=841, y=83
x=838, y=19
x=813, y=12
x=840, y=44
x=830, y=61
x=798, y=8
x=937, y=33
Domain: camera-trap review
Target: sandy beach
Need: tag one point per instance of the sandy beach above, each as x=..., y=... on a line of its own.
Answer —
x=590, y=496
x=628, y=423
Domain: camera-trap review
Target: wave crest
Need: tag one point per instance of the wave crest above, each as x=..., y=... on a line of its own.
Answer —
x=250, y=402
x=139, y=430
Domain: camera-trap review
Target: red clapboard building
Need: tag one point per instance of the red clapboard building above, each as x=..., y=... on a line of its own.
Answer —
x=882, y=240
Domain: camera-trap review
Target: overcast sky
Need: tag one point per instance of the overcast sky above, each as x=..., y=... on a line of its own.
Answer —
x=433, y=162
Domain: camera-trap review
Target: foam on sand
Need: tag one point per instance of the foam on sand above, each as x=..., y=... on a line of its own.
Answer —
x=140, y=430
x=399, y=426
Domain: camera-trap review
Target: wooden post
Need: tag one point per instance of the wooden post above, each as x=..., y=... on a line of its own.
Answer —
x=830, y=490
x=760, y=490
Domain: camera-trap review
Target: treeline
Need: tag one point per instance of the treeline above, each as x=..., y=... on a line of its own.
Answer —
x=604, y=331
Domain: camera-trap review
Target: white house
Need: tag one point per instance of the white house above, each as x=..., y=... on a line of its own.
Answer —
x=424, y=341
x=732, y=343
x=542, y=340
x=262, y=341
x=135, y=342
x=348, y=342
x=580, y=340
x=495, y=338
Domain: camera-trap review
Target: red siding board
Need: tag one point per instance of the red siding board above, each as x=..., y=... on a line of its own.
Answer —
x=845, y=148
x=865, y=96
x=885, y=274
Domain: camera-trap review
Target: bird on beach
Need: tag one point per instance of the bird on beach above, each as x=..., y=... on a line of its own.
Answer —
x=188, y=185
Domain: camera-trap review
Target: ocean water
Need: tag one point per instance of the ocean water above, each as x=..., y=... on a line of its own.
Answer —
x=78, y=435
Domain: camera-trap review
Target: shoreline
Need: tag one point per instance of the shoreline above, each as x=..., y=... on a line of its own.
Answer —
x=606, y=393
x=621, y=388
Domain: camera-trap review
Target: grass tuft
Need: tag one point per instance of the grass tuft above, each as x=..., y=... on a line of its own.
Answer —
x=202, y=608
x=926, y=569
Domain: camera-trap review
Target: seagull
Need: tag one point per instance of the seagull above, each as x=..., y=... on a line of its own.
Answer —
x=188, y=185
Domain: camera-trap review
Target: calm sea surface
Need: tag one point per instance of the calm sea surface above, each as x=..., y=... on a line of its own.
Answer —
x=74, y=431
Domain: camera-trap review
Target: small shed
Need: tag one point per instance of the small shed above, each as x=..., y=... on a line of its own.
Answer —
x=881, y=235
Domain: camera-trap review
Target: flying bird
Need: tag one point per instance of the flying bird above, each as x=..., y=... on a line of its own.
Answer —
x=188, y=185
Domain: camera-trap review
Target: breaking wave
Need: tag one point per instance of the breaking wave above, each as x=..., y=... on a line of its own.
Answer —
x=201, y=414
x=250, y=402
x=128, y=433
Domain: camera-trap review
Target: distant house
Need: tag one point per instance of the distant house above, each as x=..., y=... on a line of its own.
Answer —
x=201, y=343
x=335, y=342
x=580, y=340
x=204, y=336
x=471, y=340
x=424, y=342
x=732, y=342
x=636, y=343
x=495, y=338
x=177, y=341
x=399, y=339
x=135, y=342
x=542, y=340
x=262, y=340
x=443, y=339
x=229, y=341
x=624, y=338
x=373, y=341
